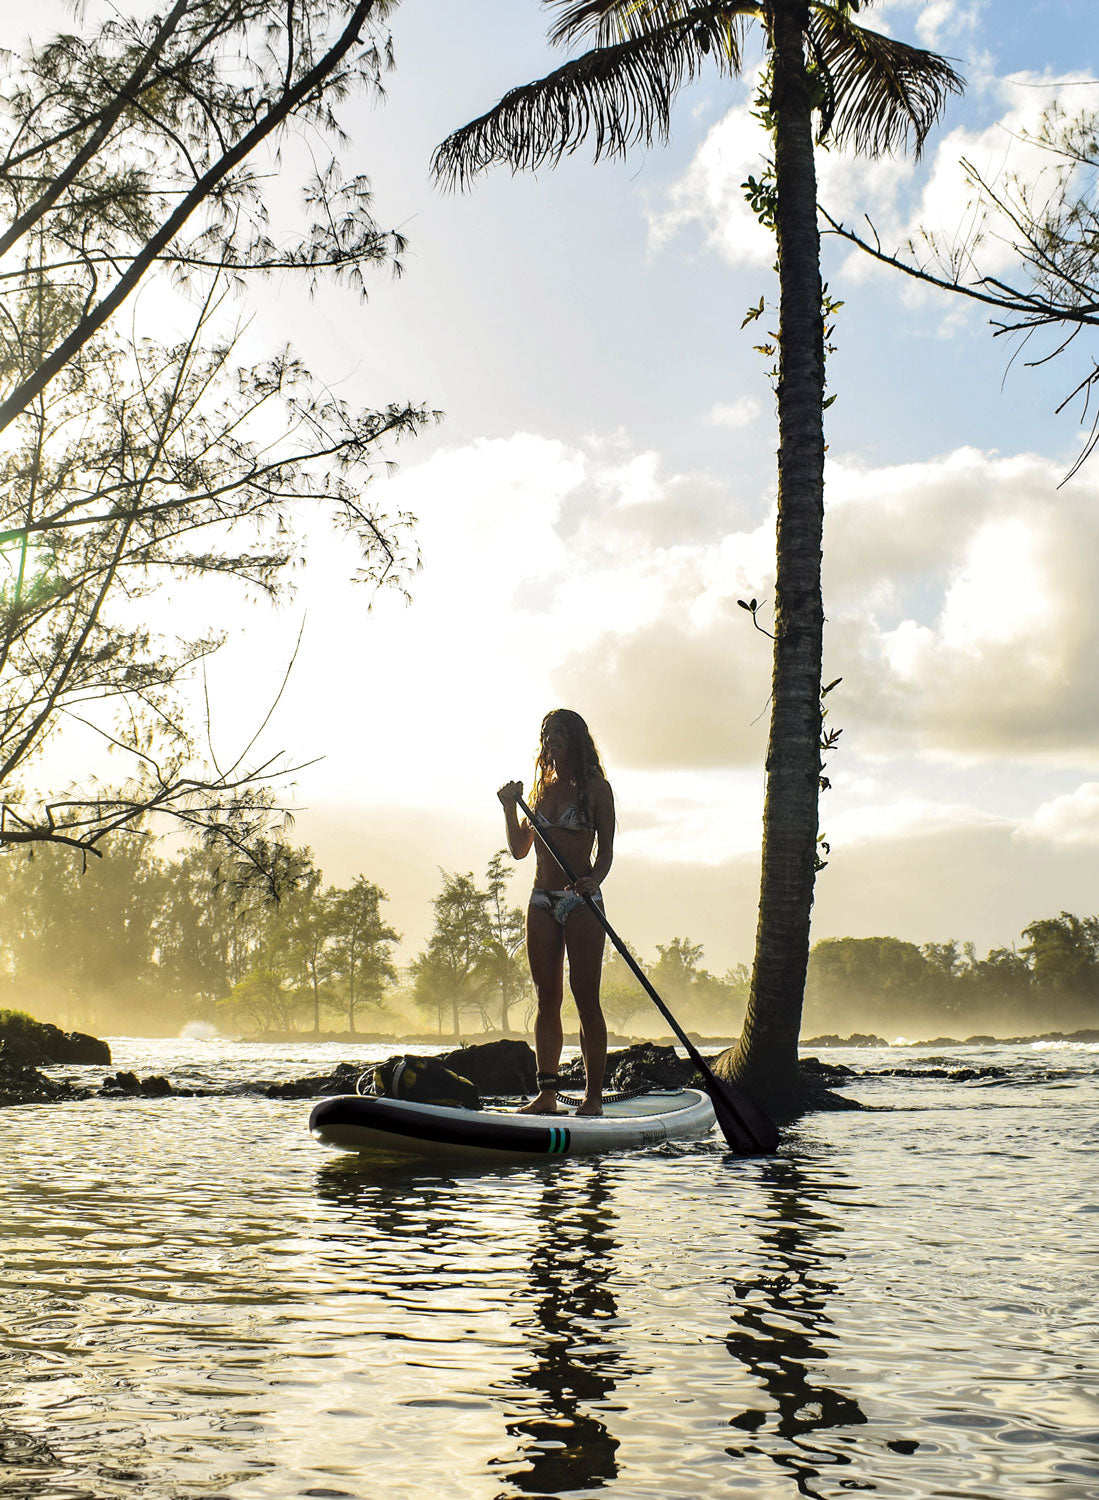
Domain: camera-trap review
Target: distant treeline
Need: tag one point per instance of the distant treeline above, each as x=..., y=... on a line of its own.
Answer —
x=138, y=943
x=884, y=985
x=888, y=987
x=142, y=944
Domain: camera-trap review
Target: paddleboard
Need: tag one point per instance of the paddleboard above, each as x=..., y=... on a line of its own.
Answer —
x=378, y=1126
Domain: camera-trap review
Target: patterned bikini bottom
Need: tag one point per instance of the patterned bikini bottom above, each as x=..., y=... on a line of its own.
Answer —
x=560, y=904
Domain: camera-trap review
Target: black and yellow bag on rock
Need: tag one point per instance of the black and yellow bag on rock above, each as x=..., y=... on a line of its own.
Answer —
x=425, y=1081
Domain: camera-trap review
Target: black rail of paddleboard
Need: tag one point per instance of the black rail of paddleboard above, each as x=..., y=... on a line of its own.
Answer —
x=373, y=1114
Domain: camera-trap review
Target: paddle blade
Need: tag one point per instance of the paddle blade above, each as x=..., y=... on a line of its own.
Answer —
x=743, y=1124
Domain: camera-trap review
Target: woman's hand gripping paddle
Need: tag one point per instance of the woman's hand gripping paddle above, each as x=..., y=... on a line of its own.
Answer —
x=743, y=1124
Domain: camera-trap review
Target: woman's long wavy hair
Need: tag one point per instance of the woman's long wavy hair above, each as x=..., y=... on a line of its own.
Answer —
x=583, y=756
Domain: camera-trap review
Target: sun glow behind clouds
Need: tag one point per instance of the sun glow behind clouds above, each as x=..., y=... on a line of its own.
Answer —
x=1004, y=593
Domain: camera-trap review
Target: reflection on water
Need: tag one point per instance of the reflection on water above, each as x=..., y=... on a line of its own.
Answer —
x=571, y=1367
x=781, y=1328
x=554, y=1401
x=198, y=1302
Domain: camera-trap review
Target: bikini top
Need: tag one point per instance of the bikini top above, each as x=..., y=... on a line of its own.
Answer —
x=569, y=818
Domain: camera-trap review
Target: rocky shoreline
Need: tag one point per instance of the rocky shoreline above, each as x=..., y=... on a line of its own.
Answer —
x=502, y=1069
x=499, y=1070
x=860, y=1039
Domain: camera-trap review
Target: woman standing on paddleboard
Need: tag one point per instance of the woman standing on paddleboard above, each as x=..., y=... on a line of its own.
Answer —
x=572, y=801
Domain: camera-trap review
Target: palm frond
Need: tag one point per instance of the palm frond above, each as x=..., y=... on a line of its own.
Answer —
x=880, y=94
x=616, y=96
x=605, y=22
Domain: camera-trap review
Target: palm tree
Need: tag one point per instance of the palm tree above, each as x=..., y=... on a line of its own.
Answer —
x=870, y=92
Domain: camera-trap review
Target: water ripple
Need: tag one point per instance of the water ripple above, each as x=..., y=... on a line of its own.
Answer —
x=198, y=1301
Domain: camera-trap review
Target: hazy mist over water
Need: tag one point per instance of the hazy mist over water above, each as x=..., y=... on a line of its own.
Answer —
x=200, y=1301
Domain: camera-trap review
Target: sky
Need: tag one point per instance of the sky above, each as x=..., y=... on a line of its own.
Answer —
x=600, y=492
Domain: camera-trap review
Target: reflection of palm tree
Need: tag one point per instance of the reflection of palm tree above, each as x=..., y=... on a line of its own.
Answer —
x=779, y=1325
x=566, y=1446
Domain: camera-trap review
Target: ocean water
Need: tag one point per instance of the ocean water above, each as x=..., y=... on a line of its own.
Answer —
x=199, y=1301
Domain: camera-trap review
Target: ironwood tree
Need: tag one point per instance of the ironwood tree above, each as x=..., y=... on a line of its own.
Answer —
x=504, y=958
x=142, y=944
x=1051, y=224
x=140, y=150
x=448, y=976
x=362, y=941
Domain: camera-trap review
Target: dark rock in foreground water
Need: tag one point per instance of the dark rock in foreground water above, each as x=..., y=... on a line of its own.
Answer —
x=818, y=1083
x=21, y=1083
x=499, y=1070
x=648, y=1065
x=130, y=1086
x=343, y=1079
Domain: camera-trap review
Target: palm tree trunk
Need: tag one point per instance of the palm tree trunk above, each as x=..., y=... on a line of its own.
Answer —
x=765, y=1059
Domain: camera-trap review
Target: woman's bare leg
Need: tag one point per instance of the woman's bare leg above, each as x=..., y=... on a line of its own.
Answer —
x=584, y=941
x=546, y=956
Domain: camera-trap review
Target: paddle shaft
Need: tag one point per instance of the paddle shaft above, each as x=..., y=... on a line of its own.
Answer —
x=743, y=1124
x=593, y=906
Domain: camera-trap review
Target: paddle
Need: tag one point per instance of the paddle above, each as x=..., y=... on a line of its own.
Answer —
x=743, y=1124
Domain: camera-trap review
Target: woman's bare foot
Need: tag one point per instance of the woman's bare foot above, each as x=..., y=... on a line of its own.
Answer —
x=543, y=1103
x=590, y=1106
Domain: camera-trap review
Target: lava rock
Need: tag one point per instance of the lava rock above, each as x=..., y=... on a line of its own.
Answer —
x=834, y=1073
x=156, y=1087
x=44, y=1045
x=20, y=1083
x=123, y=1085
x=648, y=1066
x=343, y=1079
x=501, y=1068
x=857, y=1039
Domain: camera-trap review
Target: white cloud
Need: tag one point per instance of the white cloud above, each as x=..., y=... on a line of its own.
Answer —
x=1003, y=593
x=964, y=607
x=711, y=193
x=889, y=819
x=905, y=199
x=1071, y=819
x=935, y=21
x=671, y=695
x=739, y=413
x=936, y=203
x=962, y=597
x=632, y=483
